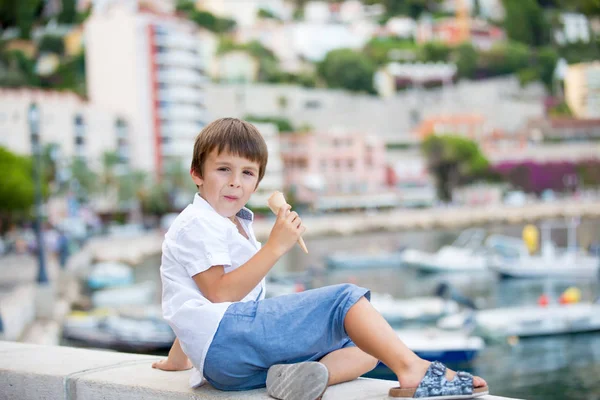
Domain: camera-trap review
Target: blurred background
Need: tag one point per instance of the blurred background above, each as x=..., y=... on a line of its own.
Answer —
x=443, y=153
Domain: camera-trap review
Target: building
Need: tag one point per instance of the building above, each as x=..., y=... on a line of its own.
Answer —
x=388, y=79
x=236, y=66
x=273, y=179
x=481, y=33
x=335, y=170
x=574, y=28
x=75, y=127
x=472, y=126
x=146, y=63
x=582, y=89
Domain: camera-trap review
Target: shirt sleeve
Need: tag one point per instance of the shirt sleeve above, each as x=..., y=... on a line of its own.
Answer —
x=200, y=245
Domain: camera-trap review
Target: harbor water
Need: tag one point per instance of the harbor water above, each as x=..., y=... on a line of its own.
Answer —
x=544, y=368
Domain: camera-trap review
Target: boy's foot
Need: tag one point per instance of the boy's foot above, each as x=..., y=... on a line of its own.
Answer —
x=301, y=381
x=414, y=374
x=170, y=365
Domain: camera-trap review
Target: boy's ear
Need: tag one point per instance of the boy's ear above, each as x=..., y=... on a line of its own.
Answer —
x=197, y=179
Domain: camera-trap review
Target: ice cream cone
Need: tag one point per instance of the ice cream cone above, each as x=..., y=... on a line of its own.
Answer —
x=275, y=202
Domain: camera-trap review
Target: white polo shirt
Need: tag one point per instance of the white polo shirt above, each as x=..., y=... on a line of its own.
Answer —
x=198, y=239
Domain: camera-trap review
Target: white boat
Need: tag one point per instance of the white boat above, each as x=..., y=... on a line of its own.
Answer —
x=445, y=346
x=119, y=331
x=109, y=274
x=413, y=309
x=373, y=259
x=139, y=294
x=510, y=257
x=528, y=320
x=465, y=254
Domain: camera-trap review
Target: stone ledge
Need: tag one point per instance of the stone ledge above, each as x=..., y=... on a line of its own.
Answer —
x=52, y=372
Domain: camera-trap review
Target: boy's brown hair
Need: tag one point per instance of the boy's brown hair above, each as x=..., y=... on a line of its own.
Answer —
x=234, y=135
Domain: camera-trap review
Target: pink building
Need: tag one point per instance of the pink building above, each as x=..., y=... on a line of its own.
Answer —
x=321, y=165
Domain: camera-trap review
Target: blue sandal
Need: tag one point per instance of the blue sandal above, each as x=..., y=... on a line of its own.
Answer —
x=435, y=386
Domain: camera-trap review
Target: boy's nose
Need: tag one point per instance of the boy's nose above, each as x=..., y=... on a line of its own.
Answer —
x=235, y=182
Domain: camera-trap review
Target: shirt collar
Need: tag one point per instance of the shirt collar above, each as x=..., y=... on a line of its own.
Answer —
x=244, y=213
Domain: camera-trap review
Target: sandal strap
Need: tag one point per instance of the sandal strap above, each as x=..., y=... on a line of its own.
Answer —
x=434, y=383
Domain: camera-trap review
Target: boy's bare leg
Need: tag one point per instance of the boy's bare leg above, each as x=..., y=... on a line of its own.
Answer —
x=176, y=361
x=371, y=333
x=347, y=364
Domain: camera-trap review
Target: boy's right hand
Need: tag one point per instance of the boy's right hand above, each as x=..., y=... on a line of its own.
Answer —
x=287, y=230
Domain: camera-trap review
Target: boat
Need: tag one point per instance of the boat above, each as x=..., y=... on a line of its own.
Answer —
x=119, y=330
x=138, y=294
x=373, y=259
x=526, y=321
x=432, y=344
x=414, y=309
x=510, y=257
x=463, y=255
x=109, y=274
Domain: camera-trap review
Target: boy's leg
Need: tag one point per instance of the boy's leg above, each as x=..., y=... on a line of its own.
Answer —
x=347, y=364
x=371, y=332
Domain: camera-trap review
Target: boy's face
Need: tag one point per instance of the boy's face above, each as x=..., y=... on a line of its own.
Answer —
x=227, y=183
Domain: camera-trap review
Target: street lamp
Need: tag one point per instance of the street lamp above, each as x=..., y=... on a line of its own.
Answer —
x=33, y=117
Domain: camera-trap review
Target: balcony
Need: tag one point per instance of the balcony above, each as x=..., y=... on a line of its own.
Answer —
x=182, y=112
x=182, y=94
x=176, y=41
x=178, y=58
x=183, y=77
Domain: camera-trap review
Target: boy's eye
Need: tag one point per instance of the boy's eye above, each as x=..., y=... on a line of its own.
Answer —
x=249, y=173
x=223, y=169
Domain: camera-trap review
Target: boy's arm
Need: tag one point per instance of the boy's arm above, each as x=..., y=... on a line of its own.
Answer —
x=218, y=287
x=176, y=361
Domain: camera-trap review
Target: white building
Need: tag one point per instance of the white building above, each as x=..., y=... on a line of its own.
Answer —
x=236, y=66
x=77, y=127
x=146, y=64
x=273, y=179
x=575, y=28
x=582, y=89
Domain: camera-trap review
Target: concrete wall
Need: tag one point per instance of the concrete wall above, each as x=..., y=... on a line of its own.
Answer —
x=52, y=372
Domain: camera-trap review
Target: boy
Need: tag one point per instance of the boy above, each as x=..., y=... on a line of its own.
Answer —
x=213, y=272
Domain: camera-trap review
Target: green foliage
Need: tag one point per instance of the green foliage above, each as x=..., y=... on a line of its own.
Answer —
x=262, y=13
x=212, y=22
x=453, y=160
x=347, y=69
x=155, y=200
x=19, y=70
x=546, y=61
x=86, y=179
x=560, y=110
x=524, y=22
x=68, y=14
x=412, y=8
x=380, y=49
x=17, y=187
x=283, y=124
x=466, y=60
x=52, y=44
x=26, y=12
x=434, y=52
x=580, y=51
x=505, y=58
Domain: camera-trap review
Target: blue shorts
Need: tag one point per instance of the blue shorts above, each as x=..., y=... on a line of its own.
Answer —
x=255, y=335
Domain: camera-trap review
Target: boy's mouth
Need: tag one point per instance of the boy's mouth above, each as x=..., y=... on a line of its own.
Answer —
x=231, y=198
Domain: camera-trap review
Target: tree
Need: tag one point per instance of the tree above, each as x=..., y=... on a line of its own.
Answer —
x=525, y=22
x=434, y=52
x=347, y=69
x=379, y=49
x=68, y=14
x=466, y=60
x=84, y=180
x=17, y=188
x=52, y=44
x=453, y=160
x=412, y=8
x=505, y=58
